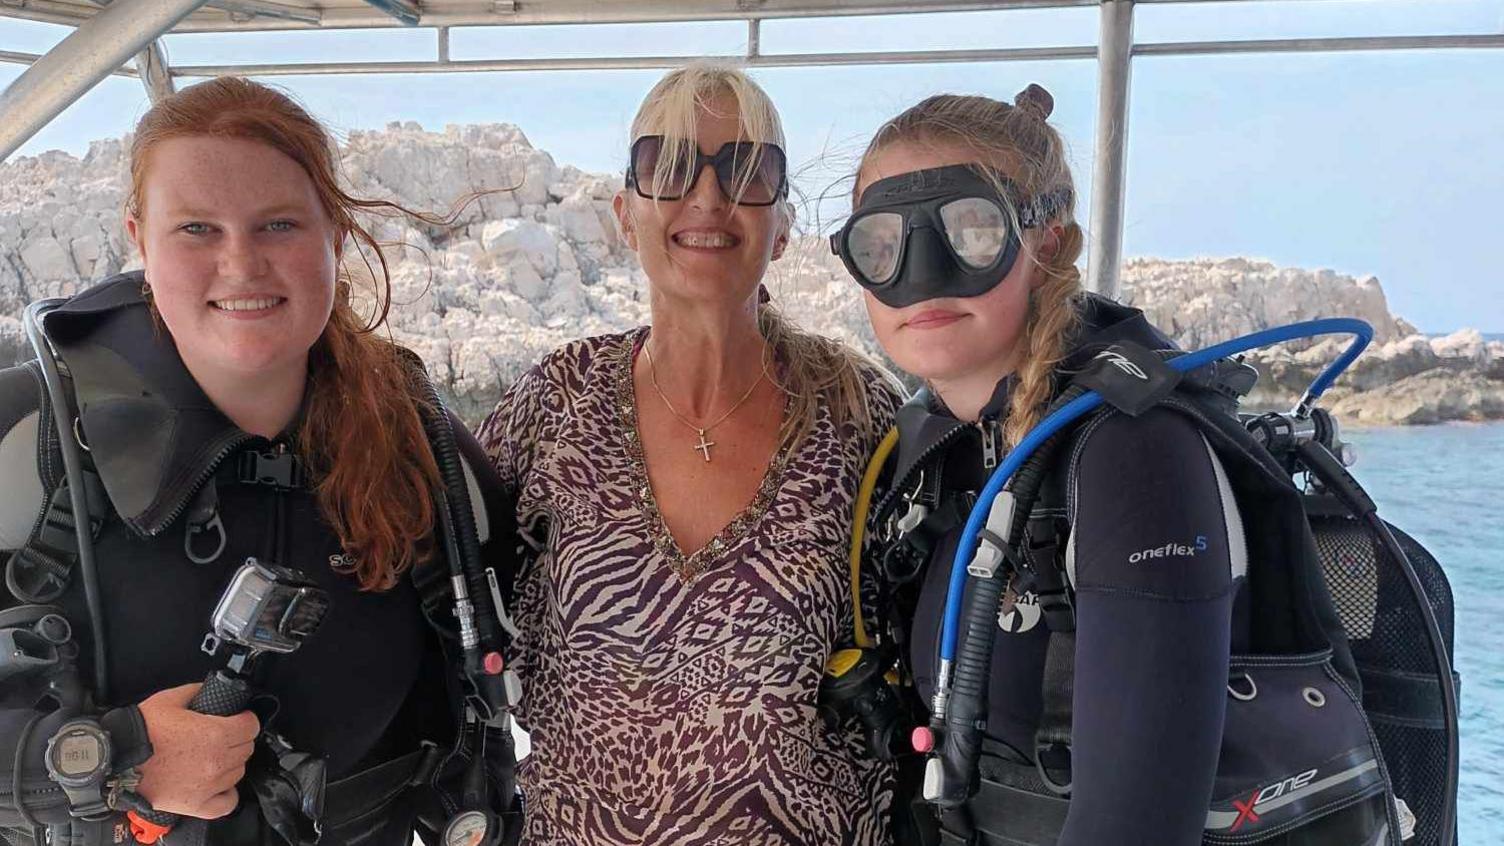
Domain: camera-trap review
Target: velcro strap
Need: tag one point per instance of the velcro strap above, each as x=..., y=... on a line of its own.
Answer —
x=431, y=579
x=1008, y=807
x=1129, y=377
x=354, y=796
x=1402, y=698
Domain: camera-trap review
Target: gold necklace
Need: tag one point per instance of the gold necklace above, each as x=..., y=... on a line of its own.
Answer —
x=704, y=445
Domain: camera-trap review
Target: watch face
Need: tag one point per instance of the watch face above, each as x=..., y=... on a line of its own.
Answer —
x=468, y=829
x=77, y=753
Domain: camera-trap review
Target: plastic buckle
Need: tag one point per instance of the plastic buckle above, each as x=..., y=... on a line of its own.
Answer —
x=281, y=470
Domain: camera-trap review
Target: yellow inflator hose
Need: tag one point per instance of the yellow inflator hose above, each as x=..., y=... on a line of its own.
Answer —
x=858, y=530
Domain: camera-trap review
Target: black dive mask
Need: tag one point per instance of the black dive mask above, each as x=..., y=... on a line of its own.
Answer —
x=942, y=232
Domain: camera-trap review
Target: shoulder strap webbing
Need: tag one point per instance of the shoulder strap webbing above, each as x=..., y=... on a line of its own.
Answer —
x=1052, y=739
x=41, y=569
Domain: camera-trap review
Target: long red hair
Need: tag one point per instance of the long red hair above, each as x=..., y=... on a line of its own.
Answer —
x=362, y=435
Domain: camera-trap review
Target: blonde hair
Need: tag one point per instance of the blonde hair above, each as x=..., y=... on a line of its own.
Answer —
x=1015, y=136
x=816, y=370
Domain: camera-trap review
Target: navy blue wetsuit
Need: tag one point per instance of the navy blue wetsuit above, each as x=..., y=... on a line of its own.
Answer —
x=1155, y=557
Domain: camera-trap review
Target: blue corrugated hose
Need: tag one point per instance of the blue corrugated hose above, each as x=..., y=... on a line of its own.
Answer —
x=1362, y=332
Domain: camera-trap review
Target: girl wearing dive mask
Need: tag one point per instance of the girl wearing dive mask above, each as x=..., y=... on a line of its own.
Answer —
x=964, y=242
x=944, y=231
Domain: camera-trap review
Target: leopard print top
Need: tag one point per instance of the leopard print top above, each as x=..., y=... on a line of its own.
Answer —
x=671, y=699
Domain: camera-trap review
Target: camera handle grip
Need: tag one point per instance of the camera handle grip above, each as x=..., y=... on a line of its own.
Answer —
x=222, y=695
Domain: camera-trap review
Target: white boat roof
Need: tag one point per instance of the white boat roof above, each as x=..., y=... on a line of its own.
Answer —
x=234, y=15
x=120, y=37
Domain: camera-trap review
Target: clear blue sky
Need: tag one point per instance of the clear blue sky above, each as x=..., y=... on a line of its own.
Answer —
x=1386, y=163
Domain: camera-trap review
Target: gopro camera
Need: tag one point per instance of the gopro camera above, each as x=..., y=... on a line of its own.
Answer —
x=267, y=608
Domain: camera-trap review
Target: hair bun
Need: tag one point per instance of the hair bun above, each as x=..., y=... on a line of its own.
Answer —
x=1035, y=99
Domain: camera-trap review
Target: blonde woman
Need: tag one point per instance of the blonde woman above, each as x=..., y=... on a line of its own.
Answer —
x=696, y=480
x=964, y=241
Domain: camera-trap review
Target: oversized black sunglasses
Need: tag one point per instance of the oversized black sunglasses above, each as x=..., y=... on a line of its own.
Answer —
x=750, y=173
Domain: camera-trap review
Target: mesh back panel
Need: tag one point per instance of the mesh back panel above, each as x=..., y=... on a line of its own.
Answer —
x=1387, y=634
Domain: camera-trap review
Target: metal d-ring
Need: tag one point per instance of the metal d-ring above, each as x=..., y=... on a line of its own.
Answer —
x=1253, y=689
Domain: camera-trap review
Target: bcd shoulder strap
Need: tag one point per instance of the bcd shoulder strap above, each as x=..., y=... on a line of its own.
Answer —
x=42, y=568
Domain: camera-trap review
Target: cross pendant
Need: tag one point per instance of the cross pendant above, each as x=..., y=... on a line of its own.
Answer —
x=704, y=445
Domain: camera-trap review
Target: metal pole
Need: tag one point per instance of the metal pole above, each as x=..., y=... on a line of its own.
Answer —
x=11, y=57
x=96, y=49
x=762, y=60
x=1114, y=63
x=151, y=66
x=405, y=12
x=1482, y=41
x=754, y=38
x=250, y=11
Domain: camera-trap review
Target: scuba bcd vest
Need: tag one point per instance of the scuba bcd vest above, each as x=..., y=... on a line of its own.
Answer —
x=82, y=382
x=1337, y=729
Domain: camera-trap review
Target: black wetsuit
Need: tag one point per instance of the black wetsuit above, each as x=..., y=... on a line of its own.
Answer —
x=1154, y=582
x=368, y=687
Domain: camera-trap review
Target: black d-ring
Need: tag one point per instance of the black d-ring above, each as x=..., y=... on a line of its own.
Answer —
x=194, y=531
x=1253, y=689
x=1062, y=790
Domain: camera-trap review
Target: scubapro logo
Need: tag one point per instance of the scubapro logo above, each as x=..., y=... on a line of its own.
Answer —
x=1121, y=362
x=1021, y=616
x=1170, y=550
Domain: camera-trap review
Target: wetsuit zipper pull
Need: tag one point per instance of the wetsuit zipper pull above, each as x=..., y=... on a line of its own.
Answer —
x=989, y=442
x=917, y=509
x=913, y=517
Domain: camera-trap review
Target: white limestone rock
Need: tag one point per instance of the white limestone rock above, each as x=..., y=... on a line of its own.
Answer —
x=1435, y=396
x=532, y=260
x=511, y=239
x=1201, y=301
x=45, y=258
x=1465, y=344
x=580, y=219
x=13, y=344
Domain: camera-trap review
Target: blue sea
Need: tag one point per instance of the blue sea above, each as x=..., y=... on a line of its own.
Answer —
x=1445, y=486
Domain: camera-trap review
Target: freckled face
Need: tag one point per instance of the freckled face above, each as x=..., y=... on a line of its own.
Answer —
x=703, y=247
x=240, y=254
x=948, y=338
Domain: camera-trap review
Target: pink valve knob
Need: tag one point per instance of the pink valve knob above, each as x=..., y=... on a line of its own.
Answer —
x=923, y=740
x=492, y=663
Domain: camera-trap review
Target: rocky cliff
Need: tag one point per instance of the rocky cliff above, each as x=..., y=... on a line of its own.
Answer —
x=533, y=261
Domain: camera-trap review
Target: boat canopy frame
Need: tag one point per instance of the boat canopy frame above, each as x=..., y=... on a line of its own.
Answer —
x=123, y=38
